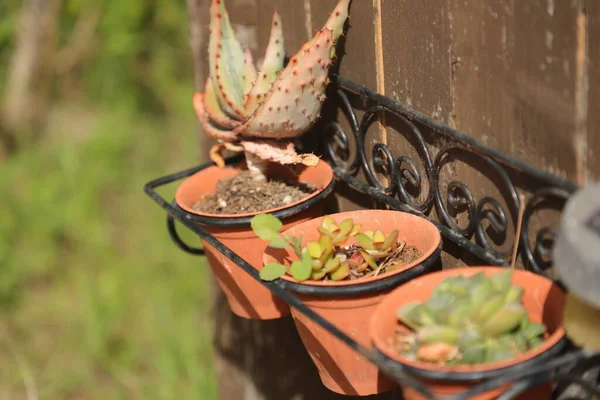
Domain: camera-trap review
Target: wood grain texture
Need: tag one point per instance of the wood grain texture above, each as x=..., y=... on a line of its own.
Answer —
x=514, y=77
x=515, y=87
x=416, y=43
x=593, y=105
x=357, y=60
x=417, y=71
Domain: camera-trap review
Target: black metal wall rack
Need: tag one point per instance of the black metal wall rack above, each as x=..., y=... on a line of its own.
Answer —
x=412, y=183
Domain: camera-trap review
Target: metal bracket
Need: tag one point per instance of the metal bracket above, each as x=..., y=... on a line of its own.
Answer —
x=419, y=191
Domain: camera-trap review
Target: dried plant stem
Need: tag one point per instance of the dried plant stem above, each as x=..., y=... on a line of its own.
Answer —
x=390, y=259
x=518, y=231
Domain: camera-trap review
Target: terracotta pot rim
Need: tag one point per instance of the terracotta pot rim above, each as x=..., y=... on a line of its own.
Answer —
x=551, y=345
x=384, y=281
x=244, y=219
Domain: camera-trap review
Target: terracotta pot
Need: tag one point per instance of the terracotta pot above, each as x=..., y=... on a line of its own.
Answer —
x=543, y=300
x=349, y=304
x=247, y=297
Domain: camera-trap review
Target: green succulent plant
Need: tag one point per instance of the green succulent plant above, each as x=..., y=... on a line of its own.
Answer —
x=328, y=257
x=469, y=320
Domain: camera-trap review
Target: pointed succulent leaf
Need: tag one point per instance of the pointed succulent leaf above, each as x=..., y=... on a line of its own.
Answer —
x=345, y=227
x=378, y=238
x=294, y=101
x=474, y=354
x=489, y=308
x=279, y=152
x=390, y=239
x=437, y=333
x=355, y=230
x=341, y=273
x=362, y=267
x=481, y=292
x=272, y=65
x=293, y=104
x=369, y=259
x=226, y=61
x=364, y=241
x=208, y=127
x=514, y=294
x=533, y=330
x=470, y=336
x=266, y=226
x=213, y=107
x=535, y=342
x=504, y=320
x=250, y=73
x=502, y=280
x=497, y=351
x=272, y=271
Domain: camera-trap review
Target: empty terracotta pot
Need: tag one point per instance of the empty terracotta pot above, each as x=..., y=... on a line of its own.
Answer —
x=543, y=300
x=247, y=297
x=349, y=304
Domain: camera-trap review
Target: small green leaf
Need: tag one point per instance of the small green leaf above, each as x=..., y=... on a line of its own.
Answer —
x=266, y=226
x=272, y=271
x=300, y=271
x=314, y=249
x=278, y=244
x=364, y=241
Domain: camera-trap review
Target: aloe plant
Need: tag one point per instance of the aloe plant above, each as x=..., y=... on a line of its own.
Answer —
x=250, y=110
x=470, y=320
x=328, y=257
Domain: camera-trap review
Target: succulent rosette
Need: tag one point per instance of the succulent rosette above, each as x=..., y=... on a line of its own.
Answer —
x=259, y=111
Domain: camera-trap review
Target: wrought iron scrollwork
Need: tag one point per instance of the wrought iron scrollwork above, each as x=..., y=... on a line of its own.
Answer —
x=488, y=222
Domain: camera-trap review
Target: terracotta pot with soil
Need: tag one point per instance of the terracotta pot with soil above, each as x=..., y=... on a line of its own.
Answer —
x=228, y=198
x=259, y=112
x=342, y=267
x=454, y=328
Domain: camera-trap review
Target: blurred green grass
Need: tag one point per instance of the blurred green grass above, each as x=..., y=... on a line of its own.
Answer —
x=95, y=300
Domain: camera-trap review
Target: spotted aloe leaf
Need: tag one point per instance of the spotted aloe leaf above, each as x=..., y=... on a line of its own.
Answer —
x=209, y=128
x=250, y=73
x=214, y=110
x=272, y=65
x=293, y=103
x=226, y=61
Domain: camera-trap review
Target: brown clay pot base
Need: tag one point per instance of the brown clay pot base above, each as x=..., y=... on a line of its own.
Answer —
x=349, y=304
x=242, y=194
x=248, y=298
x=543, y=300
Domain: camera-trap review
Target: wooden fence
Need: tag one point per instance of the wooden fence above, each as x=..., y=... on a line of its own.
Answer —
x=522, y=76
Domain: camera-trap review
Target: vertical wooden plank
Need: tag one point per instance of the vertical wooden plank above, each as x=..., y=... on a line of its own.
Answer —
x=417, y=70
x=593, y=116
x=416, y=43
x=358, y=62
x=514, y=77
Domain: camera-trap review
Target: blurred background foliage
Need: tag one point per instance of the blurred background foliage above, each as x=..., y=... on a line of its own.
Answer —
x=95, y=301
